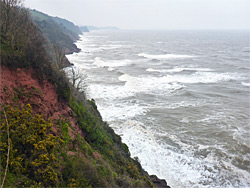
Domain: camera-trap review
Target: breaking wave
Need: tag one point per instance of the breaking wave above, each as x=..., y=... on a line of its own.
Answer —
x=165, y=56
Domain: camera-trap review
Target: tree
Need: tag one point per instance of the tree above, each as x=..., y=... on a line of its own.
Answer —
x=21, y=42
x=8, y=13
x=14, y=30
x=77, y=78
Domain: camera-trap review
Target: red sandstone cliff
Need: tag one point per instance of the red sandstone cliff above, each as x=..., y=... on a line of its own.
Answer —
x=44, y=99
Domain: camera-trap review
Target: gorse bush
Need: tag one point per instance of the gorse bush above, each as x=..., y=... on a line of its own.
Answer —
x=32, y=146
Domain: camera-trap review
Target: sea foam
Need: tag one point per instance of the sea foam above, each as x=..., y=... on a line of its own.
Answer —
x=100, y=62
x=172, y=82
x=149, y=84
x=157, y=157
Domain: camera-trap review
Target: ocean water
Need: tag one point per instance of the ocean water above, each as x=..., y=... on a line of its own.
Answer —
x=179, y=99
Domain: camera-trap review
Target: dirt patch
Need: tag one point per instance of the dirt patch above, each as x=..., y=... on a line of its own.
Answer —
x=41, y=95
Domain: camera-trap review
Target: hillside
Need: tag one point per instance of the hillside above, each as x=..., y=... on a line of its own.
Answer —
x=51, y=135
x=68, y=28
x=59, y=32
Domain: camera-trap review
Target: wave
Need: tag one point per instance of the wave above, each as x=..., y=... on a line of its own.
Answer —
x=99, y=62
x=179, y=69
x=186, y=169
x=203, y=77
x=153, y=70
x=149, y=84
x=89, y=45
x=245, y=84
x=172, y=83
x=111, y=69
x=122, y=112
x=165, y=56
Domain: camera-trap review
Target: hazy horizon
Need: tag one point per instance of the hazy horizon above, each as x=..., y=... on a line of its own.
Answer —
x=150, y=15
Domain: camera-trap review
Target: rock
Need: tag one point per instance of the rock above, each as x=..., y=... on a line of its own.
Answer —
x=160, y=183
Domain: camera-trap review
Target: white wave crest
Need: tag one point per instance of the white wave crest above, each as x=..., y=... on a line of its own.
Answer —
x=153, y=70
x=203, y=77
x=245, y=84
x=99, y=62
x=172, y=83
x=179, y=69
x=149, y=84
x=111, y=69
x=165, y=56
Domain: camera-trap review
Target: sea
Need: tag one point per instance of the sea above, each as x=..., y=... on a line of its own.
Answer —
x=180, y=100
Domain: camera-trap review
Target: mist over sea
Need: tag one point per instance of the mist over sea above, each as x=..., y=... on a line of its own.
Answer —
x=179, y=99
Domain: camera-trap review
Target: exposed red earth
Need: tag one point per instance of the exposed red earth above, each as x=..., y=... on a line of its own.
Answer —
x=44, y=99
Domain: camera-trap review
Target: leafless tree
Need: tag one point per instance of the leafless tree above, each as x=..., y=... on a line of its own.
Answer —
x=77, y=78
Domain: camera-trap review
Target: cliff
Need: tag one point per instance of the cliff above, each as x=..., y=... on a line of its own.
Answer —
x=51, y=135
x=58, y=32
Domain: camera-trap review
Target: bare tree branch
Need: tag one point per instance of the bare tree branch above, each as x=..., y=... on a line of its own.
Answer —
x=77, y=78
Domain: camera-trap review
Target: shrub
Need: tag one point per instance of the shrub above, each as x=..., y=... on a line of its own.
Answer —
x=63, y=129
x=32, y=147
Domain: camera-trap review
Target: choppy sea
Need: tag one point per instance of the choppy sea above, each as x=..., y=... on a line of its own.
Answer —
x=179, y=99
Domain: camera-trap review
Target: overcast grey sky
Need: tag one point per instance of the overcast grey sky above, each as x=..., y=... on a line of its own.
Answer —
x=150, y=14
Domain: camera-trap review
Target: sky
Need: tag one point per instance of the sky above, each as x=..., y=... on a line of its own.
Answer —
x=150, y=14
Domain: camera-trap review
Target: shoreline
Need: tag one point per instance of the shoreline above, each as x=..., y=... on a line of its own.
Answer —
x=158, y=182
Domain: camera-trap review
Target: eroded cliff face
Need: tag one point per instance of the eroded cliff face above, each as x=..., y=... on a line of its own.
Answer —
x=22, y=86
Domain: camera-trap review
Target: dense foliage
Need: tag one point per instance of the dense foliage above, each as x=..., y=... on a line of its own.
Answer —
x=21, y=43
x=101, y=137
x=32, y=147
x=36, y=155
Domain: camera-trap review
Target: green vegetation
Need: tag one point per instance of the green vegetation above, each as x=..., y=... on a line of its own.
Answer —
x=34, y=155
x=58, y=32
x=31, y=148
x=68, y=27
